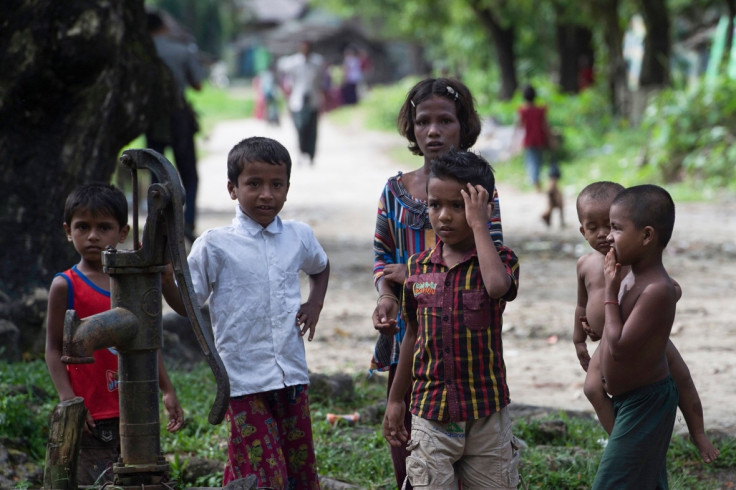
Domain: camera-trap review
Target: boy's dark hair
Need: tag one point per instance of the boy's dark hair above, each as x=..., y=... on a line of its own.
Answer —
x=598, y=191
x=529, y=93
x=256, y=149
x=464, y=167
x=97, y=198
x=450, y=88
x=649, y=205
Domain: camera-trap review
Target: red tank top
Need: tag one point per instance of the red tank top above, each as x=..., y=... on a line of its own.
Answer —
x=533, y=119
x=97, y=383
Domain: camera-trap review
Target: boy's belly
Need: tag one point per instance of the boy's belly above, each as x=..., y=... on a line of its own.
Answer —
x=595, y=313
x=621, y=377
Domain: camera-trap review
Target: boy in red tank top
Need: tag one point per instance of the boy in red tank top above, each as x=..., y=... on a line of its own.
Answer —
x=95, y=217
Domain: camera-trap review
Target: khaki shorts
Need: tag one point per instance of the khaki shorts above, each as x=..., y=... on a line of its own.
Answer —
x=480, y=453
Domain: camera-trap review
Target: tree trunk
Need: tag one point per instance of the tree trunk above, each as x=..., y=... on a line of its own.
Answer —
x=607, y=12
x=655, y=65
x=62, y=451
x=80, y=80
x=731, y=9
x=573, y=44
x=503, y=40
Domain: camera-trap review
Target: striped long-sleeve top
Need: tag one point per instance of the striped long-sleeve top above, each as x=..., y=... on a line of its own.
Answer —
x=403, y=229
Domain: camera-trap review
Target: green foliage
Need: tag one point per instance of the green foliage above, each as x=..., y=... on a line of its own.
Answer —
x=27, y=397
x=597, y=146
x=214, y=104
x=565, y=461
x=582, y=117
x=355, y=454
x=692, y=133
x=570, y=461
x=382, y=104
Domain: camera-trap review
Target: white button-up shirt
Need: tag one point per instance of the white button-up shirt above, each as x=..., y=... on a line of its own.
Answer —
x=306, y=76
x=250, y=274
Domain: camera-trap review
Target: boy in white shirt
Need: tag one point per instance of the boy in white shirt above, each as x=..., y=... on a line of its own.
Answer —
x=249, y=272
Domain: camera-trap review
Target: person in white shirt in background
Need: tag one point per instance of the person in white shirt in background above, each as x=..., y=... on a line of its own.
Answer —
x=304, y=72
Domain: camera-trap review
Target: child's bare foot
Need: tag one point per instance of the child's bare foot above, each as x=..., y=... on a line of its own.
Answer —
x=707, y=450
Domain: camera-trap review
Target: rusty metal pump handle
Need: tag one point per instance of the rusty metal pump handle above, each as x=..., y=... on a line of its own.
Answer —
x=166, y=198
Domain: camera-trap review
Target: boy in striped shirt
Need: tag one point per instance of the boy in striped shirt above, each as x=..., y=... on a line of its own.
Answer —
x=453, y=301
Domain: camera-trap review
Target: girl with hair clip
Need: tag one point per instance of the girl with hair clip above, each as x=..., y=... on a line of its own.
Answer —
x=438, y=114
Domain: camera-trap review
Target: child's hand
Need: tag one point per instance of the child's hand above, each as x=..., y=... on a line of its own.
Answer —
x=477, y=208
x=395, y=273
x=582, y=351
x=89, y=423
x=173, y=409
x=384, y=316
x=393, y=424
x=306, y=319
x=612, y=272
x=588, y=330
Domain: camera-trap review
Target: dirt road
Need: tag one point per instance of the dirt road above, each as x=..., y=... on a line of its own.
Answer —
x=338, y=196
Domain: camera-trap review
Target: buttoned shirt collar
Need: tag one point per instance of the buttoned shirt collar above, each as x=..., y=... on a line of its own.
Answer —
x=247, y=224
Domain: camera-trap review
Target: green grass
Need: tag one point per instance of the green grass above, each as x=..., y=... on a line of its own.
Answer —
x=214, y=104
x=354, y=454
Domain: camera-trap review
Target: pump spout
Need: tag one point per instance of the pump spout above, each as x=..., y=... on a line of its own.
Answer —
x=112, y=328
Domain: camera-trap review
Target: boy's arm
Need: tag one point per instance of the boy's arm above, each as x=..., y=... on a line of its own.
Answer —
x=393, y=421
x=171, y=292
x=478, y=211
x=650, y=317
x=55, y=314
x=578, y=333
x=308, y=314
x=171, y=402
x=387, y=275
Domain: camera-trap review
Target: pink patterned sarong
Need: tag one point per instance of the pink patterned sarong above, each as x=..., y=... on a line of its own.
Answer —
x=271, y=437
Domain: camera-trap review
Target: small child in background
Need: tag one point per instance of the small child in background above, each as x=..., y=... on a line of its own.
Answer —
x=452, y=354
x=540, y=142
x=95, y=217
x=249, y=272
x=593, y=205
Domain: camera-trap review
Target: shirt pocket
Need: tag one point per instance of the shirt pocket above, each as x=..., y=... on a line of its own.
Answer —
x=476, y=310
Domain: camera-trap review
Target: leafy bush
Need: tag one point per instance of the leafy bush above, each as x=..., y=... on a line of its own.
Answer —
x=27, y=397
x=355, y=454
x=693, y=131
x=382, y=104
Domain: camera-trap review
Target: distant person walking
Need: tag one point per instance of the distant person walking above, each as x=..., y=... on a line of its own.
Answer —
x=304, y=72
x=178, y=129
x=353, y=76
x=538, y=142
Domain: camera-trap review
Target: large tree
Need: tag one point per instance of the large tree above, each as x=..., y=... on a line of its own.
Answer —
x=607, y=11
x=655, y=66
x=79, y=81
x=503, y=34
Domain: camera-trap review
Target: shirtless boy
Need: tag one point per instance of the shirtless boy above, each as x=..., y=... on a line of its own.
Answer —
x=639, y=310
x=593, y=205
